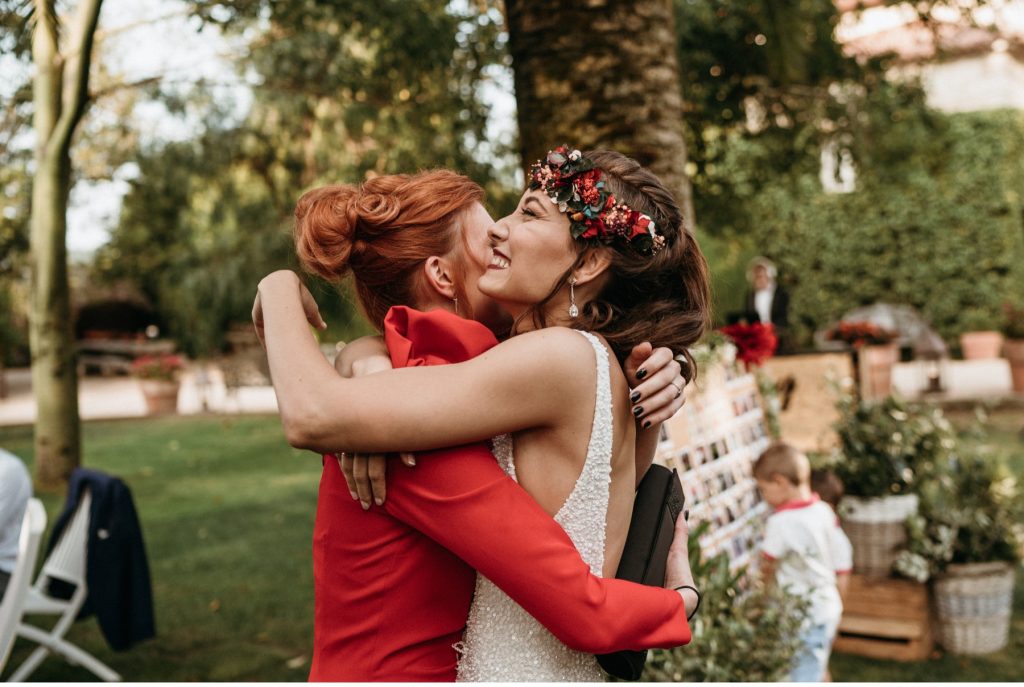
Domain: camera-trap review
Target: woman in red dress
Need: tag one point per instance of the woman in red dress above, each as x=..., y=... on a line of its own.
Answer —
x=391, y=602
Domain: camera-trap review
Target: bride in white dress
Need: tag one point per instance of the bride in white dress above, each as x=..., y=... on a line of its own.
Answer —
x=503, y=642
x=595, y=245
x=588, y=488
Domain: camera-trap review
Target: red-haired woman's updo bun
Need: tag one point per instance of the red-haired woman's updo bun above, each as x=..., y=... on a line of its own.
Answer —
x=382, y=230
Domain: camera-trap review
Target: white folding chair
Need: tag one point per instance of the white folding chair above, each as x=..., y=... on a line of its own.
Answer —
x=66, y=563
x=12, y=607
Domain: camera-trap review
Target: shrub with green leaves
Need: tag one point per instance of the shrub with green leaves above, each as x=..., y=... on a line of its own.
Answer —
x=989, y=512
x=973, y=515
x=936, y=222
x=739, y=635
x=887, y=447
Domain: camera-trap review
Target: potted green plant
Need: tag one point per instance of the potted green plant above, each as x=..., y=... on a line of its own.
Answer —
x=158, y=379
x=974, y=591
x=885, y=449
x=874, y=355
x=981, y=340
x=1013, y=347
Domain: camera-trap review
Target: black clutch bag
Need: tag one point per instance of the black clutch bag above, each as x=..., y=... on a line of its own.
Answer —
x=659, y=501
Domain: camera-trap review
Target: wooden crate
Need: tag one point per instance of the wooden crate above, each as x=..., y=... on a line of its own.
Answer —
x=886, y=618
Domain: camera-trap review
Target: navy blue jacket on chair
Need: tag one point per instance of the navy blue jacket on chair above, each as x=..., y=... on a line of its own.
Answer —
x=116, y=571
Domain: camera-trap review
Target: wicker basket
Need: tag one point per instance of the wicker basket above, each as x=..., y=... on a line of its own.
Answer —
x=877, y=531
x=973, y=603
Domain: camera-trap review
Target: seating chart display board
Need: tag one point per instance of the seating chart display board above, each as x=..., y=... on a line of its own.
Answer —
x=713, y=443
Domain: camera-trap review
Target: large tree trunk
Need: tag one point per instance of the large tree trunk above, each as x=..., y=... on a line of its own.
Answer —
x=54, y=373
x=59, y=96
x=601, y=73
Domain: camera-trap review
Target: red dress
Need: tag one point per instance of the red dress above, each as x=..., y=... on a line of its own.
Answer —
x=394, y=584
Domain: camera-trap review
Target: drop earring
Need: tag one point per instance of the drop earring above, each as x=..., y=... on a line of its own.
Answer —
x=573, y=310
x=456, y=302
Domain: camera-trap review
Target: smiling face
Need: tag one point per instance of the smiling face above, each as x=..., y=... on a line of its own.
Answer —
x=531, y=250
x=475, y=255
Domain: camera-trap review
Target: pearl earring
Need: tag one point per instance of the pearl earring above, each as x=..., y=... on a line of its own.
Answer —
x=573, y=310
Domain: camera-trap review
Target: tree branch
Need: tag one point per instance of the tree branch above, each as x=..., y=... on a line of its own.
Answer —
x=76, y=74
x=124, y=86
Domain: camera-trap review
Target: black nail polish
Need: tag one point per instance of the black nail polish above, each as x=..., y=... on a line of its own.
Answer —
x=638, y=411
x=641, y=373
x=635, y=397
x=647, y=423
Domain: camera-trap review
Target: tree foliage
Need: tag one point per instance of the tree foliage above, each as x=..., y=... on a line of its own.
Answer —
x=937, y=222
x=341, y=94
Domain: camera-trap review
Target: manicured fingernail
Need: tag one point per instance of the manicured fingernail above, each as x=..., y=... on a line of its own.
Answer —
x=355, y=496
x=641, y=373
x=638, y=411
x=379, y=502
x=412, y=461
x=647, y=423
x=365, y=505
x=635, y=397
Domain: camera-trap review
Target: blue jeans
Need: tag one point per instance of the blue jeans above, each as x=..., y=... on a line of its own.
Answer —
x=811, y=659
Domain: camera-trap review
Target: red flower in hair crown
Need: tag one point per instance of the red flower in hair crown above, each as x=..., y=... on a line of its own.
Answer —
x=576, y=185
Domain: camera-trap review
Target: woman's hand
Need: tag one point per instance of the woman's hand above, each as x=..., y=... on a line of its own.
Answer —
x=309, y=307
x=656, y=380
x=677, y=570
x=365, y=474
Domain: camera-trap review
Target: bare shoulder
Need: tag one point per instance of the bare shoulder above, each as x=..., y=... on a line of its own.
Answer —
x=363, y=347
x=560, y=348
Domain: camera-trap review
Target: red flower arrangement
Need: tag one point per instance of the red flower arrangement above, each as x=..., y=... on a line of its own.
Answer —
x=859, y=334
x=163, y=367
x=755, y=342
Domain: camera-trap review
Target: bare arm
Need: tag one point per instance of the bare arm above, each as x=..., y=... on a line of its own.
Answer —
x=843, y=584
x=767, y=571
x=504, y=390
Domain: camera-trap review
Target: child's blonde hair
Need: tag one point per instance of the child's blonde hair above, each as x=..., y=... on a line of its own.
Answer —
x=782, y=459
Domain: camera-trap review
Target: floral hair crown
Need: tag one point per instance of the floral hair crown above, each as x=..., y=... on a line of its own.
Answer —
x=576, y=185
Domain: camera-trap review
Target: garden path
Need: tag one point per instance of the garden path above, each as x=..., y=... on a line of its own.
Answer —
x=121, y=397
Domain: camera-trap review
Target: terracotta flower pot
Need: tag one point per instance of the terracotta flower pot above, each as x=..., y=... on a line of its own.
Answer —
x=1013, y=349
x=981, y=345
x=876, y=364
x=161, y=396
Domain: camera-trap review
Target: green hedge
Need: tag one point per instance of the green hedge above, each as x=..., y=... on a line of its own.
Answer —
x=942, y=231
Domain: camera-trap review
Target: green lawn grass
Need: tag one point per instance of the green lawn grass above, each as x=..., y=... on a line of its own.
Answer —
x=227, y=510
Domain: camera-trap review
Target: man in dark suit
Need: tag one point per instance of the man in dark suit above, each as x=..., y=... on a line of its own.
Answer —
x=766, y=301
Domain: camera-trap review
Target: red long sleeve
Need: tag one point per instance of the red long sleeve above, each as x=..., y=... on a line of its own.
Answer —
x=465, y=502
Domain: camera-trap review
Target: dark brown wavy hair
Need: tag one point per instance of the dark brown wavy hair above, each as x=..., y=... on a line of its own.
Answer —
x=663, y=298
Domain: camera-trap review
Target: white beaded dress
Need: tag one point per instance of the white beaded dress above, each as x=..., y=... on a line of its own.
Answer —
x=504, y=643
